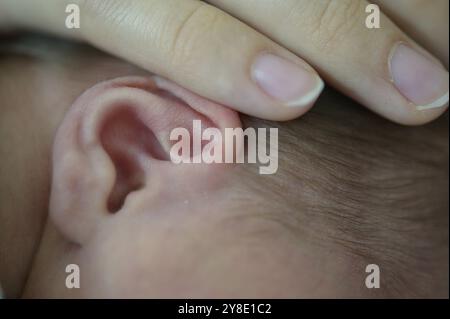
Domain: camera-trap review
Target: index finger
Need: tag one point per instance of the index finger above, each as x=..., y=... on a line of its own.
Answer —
x=196, y=45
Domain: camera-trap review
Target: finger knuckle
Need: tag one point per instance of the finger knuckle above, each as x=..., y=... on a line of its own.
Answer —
x=193, y=32
x=336, y=20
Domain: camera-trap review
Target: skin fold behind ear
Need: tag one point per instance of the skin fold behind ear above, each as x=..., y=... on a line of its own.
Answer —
x=114, y=141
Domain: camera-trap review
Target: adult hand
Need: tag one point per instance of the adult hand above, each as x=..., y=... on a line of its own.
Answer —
x=261, y=57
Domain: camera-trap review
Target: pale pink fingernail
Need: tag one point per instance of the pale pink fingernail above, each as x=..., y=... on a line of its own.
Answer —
x=286, y=81
x=421, y=80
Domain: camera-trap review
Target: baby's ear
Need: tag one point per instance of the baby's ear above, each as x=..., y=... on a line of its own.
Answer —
x=115, y=142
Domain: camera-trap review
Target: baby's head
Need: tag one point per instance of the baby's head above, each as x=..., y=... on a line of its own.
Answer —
x=350, y=190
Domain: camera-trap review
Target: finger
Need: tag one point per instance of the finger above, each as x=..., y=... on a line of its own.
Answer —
x=426, y=21
x=400, y=82
x=196, y=45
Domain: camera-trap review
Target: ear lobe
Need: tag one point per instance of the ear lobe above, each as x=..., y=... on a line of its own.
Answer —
x=114, y=141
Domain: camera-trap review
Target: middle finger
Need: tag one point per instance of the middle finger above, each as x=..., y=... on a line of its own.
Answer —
x=401, y=82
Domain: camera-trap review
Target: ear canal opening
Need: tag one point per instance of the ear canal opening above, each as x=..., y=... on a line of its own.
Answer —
x=130, y=144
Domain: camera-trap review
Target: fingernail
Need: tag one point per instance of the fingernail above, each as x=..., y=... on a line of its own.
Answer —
x=421, y=80
x=285, y=81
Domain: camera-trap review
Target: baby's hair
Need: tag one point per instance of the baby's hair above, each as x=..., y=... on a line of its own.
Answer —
x=375, y=190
